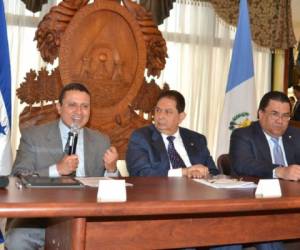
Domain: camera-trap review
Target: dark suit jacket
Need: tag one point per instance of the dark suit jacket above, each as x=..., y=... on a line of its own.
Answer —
x=41, y=147
x=147, y=156
x=250, y=152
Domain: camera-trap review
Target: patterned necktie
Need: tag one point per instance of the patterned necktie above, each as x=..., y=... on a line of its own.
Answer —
x=174, y=157
x=277, y=152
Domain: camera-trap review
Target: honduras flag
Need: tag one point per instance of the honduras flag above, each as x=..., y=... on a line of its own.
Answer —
x=5, y=103
x=240, y=99
x=5, y=99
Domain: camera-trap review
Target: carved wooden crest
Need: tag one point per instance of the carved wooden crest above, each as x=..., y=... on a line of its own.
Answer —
x=108, y=46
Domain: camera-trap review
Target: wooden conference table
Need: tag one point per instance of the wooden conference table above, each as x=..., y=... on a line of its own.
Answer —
x=159, y=213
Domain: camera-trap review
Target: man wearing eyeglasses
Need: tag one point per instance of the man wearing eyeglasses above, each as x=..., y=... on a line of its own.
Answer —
x=269, y=147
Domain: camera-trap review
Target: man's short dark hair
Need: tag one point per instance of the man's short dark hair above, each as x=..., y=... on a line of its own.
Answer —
x=72, y=86
x=176, y=96
x=275, y=96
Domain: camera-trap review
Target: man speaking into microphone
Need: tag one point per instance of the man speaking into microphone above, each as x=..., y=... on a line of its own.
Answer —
x=44, y=151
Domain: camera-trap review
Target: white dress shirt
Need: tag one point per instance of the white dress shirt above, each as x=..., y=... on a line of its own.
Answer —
x=179, y=146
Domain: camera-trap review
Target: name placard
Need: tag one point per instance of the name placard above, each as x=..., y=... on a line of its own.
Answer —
x=268, y=188
x=111, y=191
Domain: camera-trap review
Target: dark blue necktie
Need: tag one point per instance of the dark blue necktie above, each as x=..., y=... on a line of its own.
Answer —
x=174, y=157
x=277, y=152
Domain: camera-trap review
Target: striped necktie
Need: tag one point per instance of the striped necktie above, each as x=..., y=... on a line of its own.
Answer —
x=174, y=157
x=277, y=152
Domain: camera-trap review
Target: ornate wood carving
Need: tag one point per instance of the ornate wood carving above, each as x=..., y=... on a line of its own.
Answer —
x=52, y=27
x=156, y=45
x=107, y=45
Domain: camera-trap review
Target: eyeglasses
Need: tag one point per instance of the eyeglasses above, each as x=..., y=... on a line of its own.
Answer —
x=276, y=115
x=165, y=111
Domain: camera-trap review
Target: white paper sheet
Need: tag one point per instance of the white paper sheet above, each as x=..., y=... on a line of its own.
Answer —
x=94, y=181
x=226, y=183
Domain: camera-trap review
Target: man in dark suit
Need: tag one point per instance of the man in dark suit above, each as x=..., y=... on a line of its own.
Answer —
x=41, y=152
x=148, y=151
x=254, y=149
x=296, y=108
x=269, y=147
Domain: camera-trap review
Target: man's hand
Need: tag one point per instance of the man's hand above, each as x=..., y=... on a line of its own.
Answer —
x=110, y=159
x=67, y=164
x=196, y=171
x=291, y=172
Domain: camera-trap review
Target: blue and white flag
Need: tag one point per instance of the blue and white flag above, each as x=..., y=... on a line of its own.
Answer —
x=5, y=99
x=240, y=98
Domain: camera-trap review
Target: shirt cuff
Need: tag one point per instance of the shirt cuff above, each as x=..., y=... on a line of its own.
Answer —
x=53, y=171
x=274, y=174
x=111, y=174
x=176, y=172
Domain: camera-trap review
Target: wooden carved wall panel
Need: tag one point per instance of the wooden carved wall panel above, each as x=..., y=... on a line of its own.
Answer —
x=107, y=45
x=53, y=26
x=39, y=88
x=113, y=65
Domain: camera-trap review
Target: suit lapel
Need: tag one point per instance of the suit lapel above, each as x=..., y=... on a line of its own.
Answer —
x=189, y=144
x=89, y=150
x=262, y=142
x=289, y=148
x=54, y=142
x=160, y=151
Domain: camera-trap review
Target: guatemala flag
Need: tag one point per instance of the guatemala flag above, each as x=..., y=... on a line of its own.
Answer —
x=240, y=99
x=5, y=99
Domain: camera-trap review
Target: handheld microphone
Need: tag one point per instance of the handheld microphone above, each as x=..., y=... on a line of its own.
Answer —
x=73, y=136
x=68, y=148
x=73, y=143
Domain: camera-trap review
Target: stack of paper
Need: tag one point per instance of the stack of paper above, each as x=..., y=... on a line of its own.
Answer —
x=94, y=181
x=226, y=183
